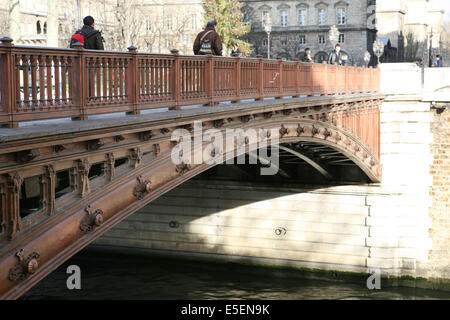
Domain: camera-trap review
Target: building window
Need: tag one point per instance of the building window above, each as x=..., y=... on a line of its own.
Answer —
x=284, y=18
x=322, y=18
x=302, y=39
x=38, y=27
x=321, y=39
x=283, y=42
x=264, y=42
x=264, y=16
x=341, y=38
x=302, y=17
x=45, y=27
x=342, y=16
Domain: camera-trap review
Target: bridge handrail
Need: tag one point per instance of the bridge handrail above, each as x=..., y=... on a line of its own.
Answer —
x=39, y=83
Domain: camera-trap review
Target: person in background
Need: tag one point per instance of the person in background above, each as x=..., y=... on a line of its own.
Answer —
x=335, y=56
x=208, y=41
x=307, y=57
x=438, y=63
x=236, y=52
x=418, y=62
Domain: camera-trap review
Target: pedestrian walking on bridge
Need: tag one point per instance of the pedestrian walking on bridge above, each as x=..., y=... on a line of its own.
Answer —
x=88, y=36
x=208, y=41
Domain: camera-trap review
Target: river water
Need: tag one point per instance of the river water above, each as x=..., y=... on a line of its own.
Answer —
x=112, y=274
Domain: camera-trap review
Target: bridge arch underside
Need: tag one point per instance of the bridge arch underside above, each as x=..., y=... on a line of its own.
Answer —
x=301, y=161
x=329, y=150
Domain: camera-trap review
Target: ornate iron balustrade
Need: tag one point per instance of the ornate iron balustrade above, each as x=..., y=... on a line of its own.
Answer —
x=47, y=83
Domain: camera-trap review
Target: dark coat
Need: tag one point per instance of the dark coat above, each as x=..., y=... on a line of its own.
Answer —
x=214, y=39
x=94, y=42
x=334, y=57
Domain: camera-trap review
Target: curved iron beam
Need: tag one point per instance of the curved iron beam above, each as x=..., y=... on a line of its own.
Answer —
x=309, y=161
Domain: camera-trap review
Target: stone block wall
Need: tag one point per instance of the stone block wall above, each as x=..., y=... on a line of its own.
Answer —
x=440, y=193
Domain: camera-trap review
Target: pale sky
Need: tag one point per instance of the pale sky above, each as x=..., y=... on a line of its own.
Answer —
x=443, y=4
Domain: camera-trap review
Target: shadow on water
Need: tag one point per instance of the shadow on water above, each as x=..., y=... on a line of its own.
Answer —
x=120, y=274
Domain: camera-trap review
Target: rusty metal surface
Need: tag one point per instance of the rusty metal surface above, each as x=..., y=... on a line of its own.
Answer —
x=65, y=225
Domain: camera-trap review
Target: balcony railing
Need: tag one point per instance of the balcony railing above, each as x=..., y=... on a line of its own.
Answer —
x=47, y=83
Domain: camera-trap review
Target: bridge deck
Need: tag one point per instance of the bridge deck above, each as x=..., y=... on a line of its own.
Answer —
x=60, y=127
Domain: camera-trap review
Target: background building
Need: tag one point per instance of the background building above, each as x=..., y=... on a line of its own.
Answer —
x=150, y=25
x=297, y=25
x=408, y=27
x=170, y=24
x=413, y=27
x=51, y=22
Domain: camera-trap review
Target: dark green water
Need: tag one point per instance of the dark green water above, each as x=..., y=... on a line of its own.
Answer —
x=109, y=274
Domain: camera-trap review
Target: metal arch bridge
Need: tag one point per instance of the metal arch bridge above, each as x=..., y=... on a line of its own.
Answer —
x=324, y=115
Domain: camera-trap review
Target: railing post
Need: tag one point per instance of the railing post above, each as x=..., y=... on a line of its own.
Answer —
x=336, y=71
x=7, y=83
x=280, y=74
x=260, y=78
x=363, y=79
x=237, y=80
x=210, y=79
x=353, y=77
x=372, y=79
x=297, y=79
x=325, y=79
x=175, y=83
x=132, y=81
x=79, y=77
x=377, y=80
x=346, y=88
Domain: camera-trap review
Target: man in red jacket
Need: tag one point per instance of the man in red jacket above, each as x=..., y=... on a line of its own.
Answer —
x=208, y=41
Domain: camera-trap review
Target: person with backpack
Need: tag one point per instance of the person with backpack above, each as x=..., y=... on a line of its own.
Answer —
x=208, y=41
x=88, y=36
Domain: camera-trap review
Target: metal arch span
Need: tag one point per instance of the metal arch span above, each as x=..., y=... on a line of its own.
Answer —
x=309, y=161
x=48, y=238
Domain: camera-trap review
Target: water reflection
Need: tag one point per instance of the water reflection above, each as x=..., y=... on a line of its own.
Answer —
x=118, y=275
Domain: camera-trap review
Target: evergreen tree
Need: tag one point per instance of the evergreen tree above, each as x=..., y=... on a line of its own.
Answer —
x=230, y=24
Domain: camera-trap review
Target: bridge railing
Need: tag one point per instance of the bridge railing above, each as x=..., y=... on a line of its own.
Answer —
x=48, y=83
